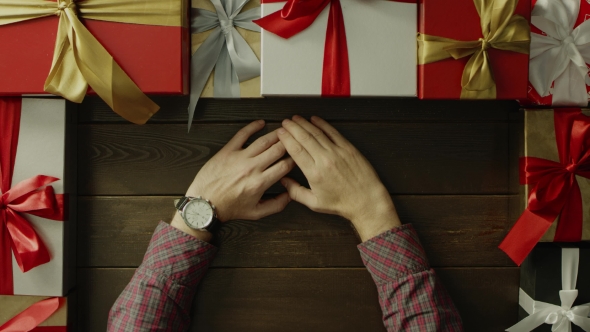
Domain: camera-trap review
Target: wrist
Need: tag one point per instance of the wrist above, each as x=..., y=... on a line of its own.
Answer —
x=178, y=223
x=381, y=218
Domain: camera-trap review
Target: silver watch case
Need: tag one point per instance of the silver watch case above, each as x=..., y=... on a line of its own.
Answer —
x=188, y=200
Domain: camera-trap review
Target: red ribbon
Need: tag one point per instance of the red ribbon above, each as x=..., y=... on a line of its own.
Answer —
x=33, y=196
x=30, y=318
x=296, y=16
x=554, y=188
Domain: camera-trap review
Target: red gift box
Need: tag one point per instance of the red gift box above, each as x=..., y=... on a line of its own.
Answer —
x=155, y=55
x=459, y=20
x=533, y=97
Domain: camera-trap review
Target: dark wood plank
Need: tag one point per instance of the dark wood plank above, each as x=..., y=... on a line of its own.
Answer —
x=307, y=299
x=455, y=231
x=174, y=109
x=411, y=158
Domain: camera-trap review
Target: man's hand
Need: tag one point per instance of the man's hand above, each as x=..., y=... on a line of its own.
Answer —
x=235, y=179
x=341, y=179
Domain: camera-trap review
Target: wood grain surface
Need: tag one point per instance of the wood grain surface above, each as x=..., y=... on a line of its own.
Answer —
x=450, y=166
x=319, y=299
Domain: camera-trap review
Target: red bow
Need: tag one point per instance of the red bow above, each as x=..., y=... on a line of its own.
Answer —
x=296, y=16
x=554, y=188
x=30, y=318
x=33, y=196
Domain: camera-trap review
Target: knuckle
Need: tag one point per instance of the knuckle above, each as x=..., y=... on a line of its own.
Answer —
x=263, y=142
x=316, y=132
x=306, y=137
x=297, y=149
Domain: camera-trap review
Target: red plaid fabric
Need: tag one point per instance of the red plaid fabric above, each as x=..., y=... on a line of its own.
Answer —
x=411, y=296
x=160, y=294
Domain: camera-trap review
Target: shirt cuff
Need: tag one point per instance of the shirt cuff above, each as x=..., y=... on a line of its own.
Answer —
x=394, y=254
x=182, y=258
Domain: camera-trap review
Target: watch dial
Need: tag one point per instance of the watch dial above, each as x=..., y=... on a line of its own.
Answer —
x=198, y=213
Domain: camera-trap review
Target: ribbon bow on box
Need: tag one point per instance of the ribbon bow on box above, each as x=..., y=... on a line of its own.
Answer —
x=80, y=60
x=30, y=318
x=34, y=196
x=554, y=189
x=296, y=16
x=560, y=317
x=501, y=29
x=560, y=56
x=224, y=49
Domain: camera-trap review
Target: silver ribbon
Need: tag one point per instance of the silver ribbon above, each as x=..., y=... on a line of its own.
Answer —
x=559, y=317
x=224, y=49
x=560, y=56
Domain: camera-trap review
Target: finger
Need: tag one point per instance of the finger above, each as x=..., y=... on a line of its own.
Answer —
x=299, y=193
x=316, y=132
x=270, y=156
x=296, y=151
x=262, y=144
x=330, y=131
x=277, y=171
x=240, y=138
x=272, y=206
x=303, y=137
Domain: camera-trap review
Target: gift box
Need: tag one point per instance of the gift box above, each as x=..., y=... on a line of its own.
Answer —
x=554, y=174
x=123, y=50
x=33, y=313
x=554, y=292
x=38, y=196
x=559, y=73
x=483, y=57
x=225, y=50
x=339, y=48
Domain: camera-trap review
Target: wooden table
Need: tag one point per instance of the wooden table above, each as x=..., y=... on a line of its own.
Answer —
x=450, y=166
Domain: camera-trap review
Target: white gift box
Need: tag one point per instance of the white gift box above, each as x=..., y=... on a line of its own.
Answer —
x=46, y=146
x=381, y=40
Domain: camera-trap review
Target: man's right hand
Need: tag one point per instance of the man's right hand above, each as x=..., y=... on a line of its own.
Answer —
x=341, y=179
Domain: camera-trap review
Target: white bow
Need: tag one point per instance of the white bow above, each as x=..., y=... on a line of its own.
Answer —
x=560, y=56
x=560, y=317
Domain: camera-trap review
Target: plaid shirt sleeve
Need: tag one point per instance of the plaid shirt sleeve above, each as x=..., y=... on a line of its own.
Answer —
x=411, y=296
x=161, y=292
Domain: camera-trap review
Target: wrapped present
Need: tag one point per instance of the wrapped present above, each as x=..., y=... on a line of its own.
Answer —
x=484, y=57
x=338, y=48
x=224, y=41
x=33, y=313
x=121, y=49
x=560, y=53
x=554, y=293
x=37, y=201
x=555, y=172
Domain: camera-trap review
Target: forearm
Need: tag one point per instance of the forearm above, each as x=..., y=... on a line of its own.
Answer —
x=160, y=294
x=411, y=295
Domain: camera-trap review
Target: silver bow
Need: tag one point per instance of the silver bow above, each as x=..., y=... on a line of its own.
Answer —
x=560, y=56
x=224, y=49
x=559, y=317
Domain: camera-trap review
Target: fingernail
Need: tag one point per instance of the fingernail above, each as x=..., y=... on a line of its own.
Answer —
x=286, y=121
x=281, y=131
x=261, y=121
x=296, y=117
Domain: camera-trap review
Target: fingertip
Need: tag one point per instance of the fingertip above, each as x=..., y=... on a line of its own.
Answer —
x=260, y=122
x=281, y=131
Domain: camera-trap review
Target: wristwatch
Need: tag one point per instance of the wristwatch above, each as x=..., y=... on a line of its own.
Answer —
x=198, y=213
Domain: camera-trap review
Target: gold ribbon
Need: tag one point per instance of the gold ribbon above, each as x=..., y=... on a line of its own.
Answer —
x=80, y=60
x=501, y=29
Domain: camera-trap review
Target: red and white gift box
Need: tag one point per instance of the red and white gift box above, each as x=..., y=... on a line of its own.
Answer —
x=560, y=54
x=351, y=48
x=37, y=201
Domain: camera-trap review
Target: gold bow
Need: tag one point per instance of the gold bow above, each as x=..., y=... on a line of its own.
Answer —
x=501, y=29
x=80, y=60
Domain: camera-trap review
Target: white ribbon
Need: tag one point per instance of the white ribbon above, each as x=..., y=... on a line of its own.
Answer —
x=224, y=49
x=560, y=317
x=562, y=54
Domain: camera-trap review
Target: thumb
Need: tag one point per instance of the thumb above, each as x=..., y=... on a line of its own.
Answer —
x=271, y=206
x=299, y=193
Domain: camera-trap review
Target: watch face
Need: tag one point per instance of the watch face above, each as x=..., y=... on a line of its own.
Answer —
x=198, y=214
